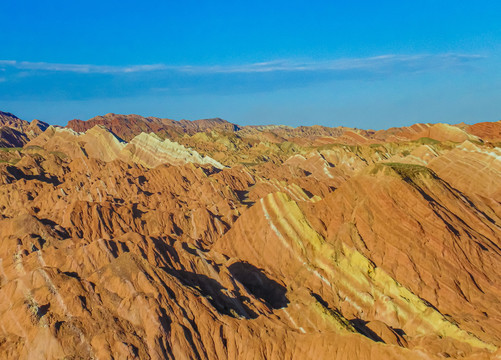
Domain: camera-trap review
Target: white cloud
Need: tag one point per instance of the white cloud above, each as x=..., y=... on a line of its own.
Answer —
x=79, y=68
x=368, y=63
x=383, y=62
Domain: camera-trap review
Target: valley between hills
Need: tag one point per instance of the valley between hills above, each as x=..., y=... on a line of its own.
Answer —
x=130, y=237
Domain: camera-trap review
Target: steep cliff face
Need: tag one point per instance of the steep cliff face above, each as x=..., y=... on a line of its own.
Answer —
x=346, y=244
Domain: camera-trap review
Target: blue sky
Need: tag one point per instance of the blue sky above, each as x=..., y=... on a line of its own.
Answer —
x=368, y=64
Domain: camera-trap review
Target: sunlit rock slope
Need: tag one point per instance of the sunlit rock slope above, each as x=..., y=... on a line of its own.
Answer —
x=126, y=237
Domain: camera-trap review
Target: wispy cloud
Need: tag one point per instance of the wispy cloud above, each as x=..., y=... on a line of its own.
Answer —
x=78, y=68
x=347, y=64
x=387, y=62
x=42, y=80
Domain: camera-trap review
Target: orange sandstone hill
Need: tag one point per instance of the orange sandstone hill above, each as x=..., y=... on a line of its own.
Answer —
x=124, y=237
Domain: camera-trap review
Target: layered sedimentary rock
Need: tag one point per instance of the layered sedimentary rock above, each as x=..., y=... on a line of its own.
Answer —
x=251, y=243
x=490, y=131
x=129, y=126
x=151, y=151
x=10, y=137
x=11, y=120
x=15, y=132
x=100, y=143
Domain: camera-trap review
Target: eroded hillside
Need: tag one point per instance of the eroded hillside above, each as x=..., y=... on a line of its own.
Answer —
x=130, y=237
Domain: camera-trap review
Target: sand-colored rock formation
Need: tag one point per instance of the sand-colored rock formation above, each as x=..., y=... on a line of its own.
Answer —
x=100, y=143
x=206, y=241
x=151, y=151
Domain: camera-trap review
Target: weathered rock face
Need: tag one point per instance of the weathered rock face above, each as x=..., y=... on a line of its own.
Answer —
x=307, y=243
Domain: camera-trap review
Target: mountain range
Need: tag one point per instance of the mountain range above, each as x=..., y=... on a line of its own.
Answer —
x=130, y=237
